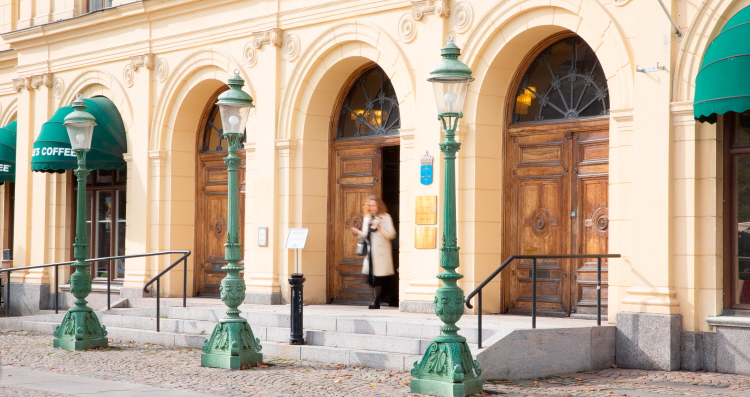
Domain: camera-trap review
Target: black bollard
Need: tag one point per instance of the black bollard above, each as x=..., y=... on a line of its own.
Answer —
x=297, y=336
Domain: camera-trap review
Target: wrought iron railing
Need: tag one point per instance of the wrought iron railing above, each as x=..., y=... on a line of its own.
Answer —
x=478, y=290
x=157, y=279
x=183, y=259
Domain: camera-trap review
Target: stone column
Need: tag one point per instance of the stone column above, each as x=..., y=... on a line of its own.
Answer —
x=419, y=266
x=139, y=191
x=649, y=324
x=264, y=200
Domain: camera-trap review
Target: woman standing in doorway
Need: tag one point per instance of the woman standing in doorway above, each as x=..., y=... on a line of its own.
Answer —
x=378, y=233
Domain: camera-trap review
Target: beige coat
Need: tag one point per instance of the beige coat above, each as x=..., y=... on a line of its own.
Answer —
x=380, y=245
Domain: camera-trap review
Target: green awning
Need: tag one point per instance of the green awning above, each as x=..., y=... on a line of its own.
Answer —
x=52, y=151
x=8, y=153
x=723, y=82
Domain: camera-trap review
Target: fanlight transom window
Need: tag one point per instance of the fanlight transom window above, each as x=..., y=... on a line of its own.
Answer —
x=370, y=109
x=565, y=81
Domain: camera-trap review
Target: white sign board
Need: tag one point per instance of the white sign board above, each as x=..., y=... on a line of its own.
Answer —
x=262, y=237
x=296, y=238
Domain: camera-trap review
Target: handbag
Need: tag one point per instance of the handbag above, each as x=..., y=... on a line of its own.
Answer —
x=361, y=248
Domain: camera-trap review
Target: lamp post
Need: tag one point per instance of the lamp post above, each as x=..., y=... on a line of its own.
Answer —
x=232, y=345
x=80, y=328
x=447, y=367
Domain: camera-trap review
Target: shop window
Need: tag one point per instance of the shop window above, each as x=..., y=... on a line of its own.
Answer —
x=105, y=221
x=370, y=109
x=737, y=210
x=565, y=81
x=96, y=5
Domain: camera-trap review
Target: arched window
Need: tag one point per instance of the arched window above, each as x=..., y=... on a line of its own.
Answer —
x=213, y=132
x=565, y=81
x=370, y=109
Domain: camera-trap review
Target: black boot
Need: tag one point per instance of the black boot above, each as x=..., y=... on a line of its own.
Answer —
x=376, y=302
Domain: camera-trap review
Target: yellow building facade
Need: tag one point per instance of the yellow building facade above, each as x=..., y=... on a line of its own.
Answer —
x=639, y=177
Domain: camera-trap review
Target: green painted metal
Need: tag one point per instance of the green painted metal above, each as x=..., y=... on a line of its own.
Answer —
x=8, y=153
x=234, y=95
x=80, y=328
x=52, y=151
x=450, y=68
x=722, y=85
x=447, y=368
x=232, y=344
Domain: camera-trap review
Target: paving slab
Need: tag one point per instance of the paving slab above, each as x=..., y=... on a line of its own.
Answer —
x=76, y=385
x=133, y=369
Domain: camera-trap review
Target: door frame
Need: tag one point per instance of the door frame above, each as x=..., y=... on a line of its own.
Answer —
x=508, y=129
x=334, y=146
x=730, y=152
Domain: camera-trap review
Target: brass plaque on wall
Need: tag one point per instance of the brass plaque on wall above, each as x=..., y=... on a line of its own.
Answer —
x=425, y=237
x=426, y=210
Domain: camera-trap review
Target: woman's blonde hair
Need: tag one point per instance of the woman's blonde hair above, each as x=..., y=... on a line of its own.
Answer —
x=382, y=208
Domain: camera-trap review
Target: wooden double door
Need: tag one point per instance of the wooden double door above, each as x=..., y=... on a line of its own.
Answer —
x=556, y=189
x=211, y=222
x=358, y=172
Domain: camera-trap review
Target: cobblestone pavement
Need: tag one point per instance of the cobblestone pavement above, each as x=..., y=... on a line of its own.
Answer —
x=179, y=369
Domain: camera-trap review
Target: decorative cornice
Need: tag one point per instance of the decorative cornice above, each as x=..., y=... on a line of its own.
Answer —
x=44, y=79
x=33, y=82
x=128, y=157
x=270, y=36
x=407, y=28
x=250, y=150
x=21, y=83
x=407, y=136
x=424, y=7
x=286, y=147
x=145, y=60
x=158, y=158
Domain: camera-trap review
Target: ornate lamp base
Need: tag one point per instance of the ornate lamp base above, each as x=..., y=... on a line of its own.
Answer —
x=80, y=330
x=232, y=345
x=447, y=370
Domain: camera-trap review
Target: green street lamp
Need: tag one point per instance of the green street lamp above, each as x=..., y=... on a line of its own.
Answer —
x=447, y=367
x=233, y=345
x=80, y=328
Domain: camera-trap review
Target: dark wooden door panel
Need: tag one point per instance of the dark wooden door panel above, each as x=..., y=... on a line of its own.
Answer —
x=211, y=224
x=540, y=231
x=557, y=183
x=357, y=174
x=591, y=162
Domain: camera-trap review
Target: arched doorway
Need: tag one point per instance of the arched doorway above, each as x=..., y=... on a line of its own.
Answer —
x=556, y=178
x=365, y=161
x=211, y=200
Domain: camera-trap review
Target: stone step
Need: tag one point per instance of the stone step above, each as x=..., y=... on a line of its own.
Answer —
x=131, y=328
x=419, y=329
x=167, y=302
x=329, y=338
x=379, y=340
x=338, y=349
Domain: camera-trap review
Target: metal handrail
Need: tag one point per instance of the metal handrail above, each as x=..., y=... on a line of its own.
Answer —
x=478, y=290
x=109, y=281
x=157, y=278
